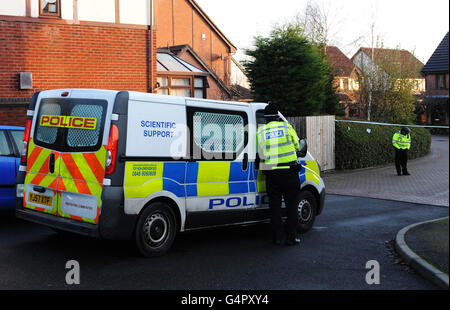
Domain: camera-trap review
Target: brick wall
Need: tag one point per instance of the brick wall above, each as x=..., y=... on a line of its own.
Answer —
x=71, y=56
x=431, y=87
x=179, y=23
x=215, y=91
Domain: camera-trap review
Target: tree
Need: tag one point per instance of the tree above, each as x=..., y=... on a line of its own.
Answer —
x=319, y=22
x=287, y=69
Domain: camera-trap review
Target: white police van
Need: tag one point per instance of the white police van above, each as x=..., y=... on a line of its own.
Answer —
x=130, y=165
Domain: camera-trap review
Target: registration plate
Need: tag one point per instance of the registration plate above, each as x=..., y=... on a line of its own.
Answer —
x=40, y=199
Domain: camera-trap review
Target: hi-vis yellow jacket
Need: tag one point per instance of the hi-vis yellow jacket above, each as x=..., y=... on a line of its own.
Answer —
x=401, y=142
x=277, y=144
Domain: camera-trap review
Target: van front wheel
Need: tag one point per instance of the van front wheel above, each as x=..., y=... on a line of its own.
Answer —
x=155, y=230
x=307, y=206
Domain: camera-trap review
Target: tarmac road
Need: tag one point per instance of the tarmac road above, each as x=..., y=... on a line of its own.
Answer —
x=350, y=232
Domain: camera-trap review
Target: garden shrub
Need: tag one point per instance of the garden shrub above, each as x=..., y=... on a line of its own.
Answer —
x=364, y=145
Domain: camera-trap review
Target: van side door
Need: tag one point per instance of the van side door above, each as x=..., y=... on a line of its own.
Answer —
x=217, y=174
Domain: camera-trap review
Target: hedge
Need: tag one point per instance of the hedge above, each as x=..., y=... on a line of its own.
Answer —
x=363, y=145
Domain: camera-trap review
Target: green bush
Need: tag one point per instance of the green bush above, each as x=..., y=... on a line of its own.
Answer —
x=356, y=148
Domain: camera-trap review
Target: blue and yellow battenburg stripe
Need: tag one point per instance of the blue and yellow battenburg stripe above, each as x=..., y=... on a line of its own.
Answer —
x=199, y=179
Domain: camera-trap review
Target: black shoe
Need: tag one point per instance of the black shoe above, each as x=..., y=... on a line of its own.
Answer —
x=293, y=241
x=406, y=173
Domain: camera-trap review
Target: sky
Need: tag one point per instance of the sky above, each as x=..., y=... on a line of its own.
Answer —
x=414, y=25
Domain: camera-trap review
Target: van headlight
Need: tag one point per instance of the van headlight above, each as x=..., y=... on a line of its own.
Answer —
x=19, y=190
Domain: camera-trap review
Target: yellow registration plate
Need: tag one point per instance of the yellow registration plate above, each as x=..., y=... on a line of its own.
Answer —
x=40, y=199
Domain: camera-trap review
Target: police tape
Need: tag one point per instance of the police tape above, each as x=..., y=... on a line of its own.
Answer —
x=387, y=124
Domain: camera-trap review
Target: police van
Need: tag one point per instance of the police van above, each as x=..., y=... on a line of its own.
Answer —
x=130, y=165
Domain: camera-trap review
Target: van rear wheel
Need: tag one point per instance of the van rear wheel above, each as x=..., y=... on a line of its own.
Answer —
x=155, y=230
x=307, y=208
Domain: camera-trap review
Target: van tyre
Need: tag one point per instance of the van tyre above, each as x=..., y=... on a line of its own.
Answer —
x=155, y=230
x=307, y=210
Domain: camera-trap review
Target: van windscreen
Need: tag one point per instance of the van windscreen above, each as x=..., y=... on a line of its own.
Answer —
x=70, y=125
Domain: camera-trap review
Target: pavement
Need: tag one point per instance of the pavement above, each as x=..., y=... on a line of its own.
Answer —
x=424, y=245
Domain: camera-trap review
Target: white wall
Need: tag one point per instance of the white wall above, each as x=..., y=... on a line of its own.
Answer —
x=35, y=8
x=238, y=77
x=67, y=9
x=97, y=10
x=13, y=7
x=135, y=12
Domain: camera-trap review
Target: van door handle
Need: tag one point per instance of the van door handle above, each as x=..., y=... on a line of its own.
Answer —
x=39, y=189
x=51, y=163
x=245, y=162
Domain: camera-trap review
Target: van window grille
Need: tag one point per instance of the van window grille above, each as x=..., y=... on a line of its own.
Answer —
x=48, y=134
x=85, y=137
x=218, y=133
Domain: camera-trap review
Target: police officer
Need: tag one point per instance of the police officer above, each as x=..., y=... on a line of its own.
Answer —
x=402, y=143
x=278, y=146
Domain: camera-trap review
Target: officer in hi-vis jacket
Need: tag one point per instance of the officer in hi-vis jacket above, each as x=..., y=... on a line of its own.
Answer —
x=278, y=145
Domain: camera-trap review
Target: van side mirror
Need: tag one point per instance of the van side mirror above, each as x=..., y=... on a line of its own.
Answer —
x=303, y=148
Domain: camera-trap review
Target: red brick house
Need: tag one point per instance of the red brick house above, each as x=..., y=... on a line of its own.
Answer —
x=185, y=29
x=436, y=73
x=346, y=81
x=108, y=44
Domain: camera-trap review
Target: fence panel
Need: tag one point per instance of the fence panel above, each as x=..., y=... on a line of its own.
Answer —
x=320, y=134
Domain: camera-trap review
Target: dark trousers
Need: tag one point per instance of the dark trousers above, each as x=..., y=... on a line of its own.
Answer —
x=401, y=160
x=283, y=183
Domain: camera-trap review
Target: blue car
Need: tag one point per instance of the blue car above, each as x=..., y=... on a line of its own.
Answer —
x=10, y=149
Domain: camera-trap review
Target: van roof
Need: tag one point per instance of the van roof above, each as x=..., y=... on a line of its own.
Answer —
x=145, y=96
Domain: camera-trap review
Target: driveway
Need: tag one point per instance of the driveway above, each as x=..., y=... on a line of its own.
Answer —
x=427, y=184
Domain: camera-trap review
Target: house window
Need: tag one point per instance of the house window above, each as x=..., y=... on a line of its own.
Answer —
x=341, y=83
x=440, y=81
x=182, y=86
x=50, y=8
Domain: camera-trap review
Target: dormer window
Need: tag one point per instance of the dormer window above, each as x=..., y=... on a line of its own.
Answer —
x=50, y=8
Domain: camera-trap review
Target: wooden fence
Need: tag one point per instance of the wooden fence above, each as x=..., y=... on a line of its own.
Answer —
x=319, y=131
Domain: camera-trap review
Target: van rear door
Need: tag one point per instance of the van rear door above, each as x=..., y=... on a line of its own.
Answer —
x=66, y=158
x=43, y=163
x=82, y=164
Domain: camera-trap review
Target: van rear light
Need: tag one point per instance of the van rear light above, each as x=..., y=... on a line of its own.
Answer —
x=26, y=138
x=111, y=151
